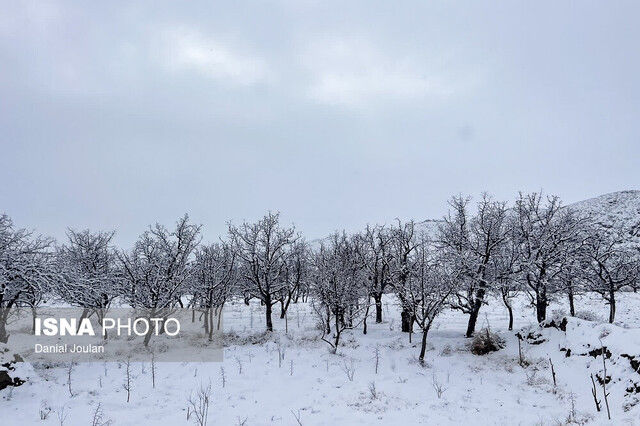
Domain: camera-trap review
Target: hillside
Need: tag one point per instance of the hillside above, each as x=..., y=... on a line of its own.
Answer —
x=617, y=210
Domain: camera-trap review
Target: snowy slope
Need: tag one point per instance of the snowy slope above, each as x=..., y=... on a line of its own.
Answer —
x=617, y=210
x=578, y=346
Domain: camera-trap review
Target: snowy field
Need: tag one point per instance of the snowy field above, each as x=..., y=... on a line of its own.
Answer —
x=311, y=386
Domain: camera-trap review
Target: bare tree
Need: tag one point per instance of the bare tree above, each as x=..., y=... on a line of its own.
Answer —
x=373, y=247
x=215, y=275
x=470, y=244
x=403, y=246
x=503, y=268
x=98, y=418
x=428, y=285
x=128, y=379
x=157, y=270
x=336, y=287
x=199, y=404
x=610, y=266
x=571, y=282
x=89, y=274
x=546, y=235
x=26, y=272
x=70, y=369
x=296, y=275
x=262, y=249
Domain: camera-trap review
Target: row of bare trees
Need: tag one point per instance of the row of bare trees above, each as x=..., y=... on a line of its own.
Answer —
x=536, y=247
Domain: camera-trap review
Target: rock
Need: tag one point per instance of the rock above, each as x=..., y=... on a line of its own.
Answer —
x=560, y=324
x=532, y=337
x=634, y=361
x=8, y=361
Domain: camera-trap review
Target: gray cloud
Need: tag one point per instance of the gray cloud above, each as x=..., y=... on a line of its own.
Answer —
x=115, y=115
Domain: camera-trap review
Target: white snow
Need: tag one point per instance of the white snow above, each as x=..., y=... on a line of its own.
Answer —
x=490, y=389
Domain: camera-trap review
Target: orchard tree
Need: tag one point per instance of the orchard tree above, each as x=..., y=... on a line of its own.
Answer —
x=571, y=279
x=89, y=272
x=404, y=243
x=470, y=245
x=215, y=275
x=428, y=283
x=611, y=265
x=373, y=247
x=158, y=268
x=336, y=286
x=263, y=250
x=503, y=271
x=26, y=271
x=546, y=235
x=296, y=275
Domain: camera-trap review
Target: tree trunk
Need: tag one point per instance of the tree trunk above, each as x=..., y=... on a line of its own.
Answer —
x=337, y=337
x=423, y=347
x=34, y=315
x=4, y=316
x=210, y=321
x=378, y=299
x=510, y=309
x=101, y=313
x=219, y=313
x=283, y=311
x=541, y=306
x=85, y=314
x=612, y=306
x=475, y=311
x=407, y=320
x=471, y=325
x=366, y=316
x=328, y=321
x=206, y=322
x=572, y=306
x=147, y=337
x=267, y=303
x=4, y=337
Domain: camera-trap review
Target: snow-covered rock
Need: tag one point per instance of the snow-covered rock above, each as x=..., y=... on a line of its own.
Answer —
x=11, y=368
x=586, y=343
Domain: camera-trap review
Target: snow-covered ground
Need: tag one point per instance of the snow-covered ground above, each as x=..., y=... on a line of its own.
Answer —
x=312, y=384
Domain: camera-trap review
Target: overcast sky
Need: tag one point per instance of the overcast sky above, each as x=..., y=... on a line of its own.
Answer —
x=115, y=115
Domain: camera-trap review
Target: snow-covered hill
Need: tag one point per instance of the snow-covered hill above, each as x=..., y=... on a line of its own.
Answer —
x=615, y=211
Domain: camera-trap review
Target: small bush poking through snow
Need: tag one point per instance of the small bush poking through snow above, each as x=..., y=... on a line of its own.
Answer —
x=446, y=350
x=558, y=314
x=588, y=316
x=486, y=341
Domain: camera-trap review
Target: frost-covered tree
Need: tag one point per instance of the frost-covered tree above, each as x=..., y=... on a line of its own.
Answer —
x=571, y=281
x=373, y=247
x=215, y=274
x=404, y=243
x=263, y=250
x=503, y=270
x=89, y=272
x=610, y=266
x=26, y=271
x=470, y=244
x=336, y=287
x=546, y=236
x=296, y=275
x=427, y=282
x=158, y=268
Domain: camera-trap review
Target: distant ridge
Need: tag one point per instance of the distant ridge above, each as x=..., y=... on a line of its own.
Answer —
x=617, y=210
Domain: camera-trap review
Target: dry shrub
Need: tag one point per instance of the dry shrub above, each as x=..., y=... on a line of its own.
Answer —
x=486, y=341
